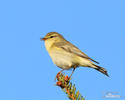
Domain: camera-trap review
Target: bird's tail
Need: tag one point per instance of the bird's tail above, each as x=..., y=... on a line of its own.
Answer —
x=101, y=69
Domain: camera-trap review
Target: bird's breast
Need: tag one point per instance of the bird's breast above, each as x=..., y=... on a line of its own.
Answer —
x=62, y=58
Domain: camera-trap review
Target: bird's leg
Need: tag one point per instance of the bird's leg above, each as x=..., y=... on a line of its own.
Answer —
x=72, y=72
x=59, y=73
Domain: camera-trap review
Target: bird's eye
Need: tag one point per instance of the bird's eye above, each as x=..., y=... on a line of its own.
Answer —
x=52, y=36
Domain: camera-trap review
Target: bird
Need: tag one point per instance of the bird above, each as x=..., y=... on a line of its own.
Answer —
x=67, y=56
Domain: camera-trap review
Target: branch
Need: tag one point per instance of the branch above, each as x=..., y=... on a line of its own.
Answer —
x=65, y=84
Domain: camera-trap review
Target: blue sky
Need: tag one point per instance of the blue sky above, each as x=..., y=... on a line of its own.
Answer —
x=97, y=27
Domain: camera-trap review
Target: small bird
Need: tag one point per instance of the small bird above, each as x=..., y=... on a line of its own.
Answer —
x=66, y=56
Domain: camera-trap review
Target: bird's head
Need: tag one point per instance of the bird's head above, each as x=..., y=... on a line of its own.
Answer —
x=52, y=36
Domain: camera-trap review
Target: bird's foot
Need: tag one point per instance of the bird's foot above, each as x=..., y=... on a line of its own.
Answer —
x=62, y=80
x=57, y=76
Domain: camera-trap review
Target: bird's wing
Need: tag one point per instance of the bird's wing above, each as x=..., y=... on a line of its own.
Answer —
x=72, y=49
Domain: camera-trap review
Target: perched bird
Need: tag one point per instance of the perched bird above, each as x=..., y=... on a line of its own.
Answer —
x=66, y=56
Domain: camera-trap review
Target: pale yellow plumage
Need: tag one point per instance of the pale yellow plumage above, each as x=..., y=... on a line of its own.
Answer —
x=65, y=55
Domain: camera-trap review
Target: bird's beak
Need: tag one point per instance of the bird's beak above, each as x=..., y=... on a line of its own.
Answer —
x=43, y=39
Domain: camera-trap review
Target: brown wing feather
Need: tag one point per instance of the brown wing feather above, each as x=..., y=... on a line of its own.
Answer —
x=73, y=49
